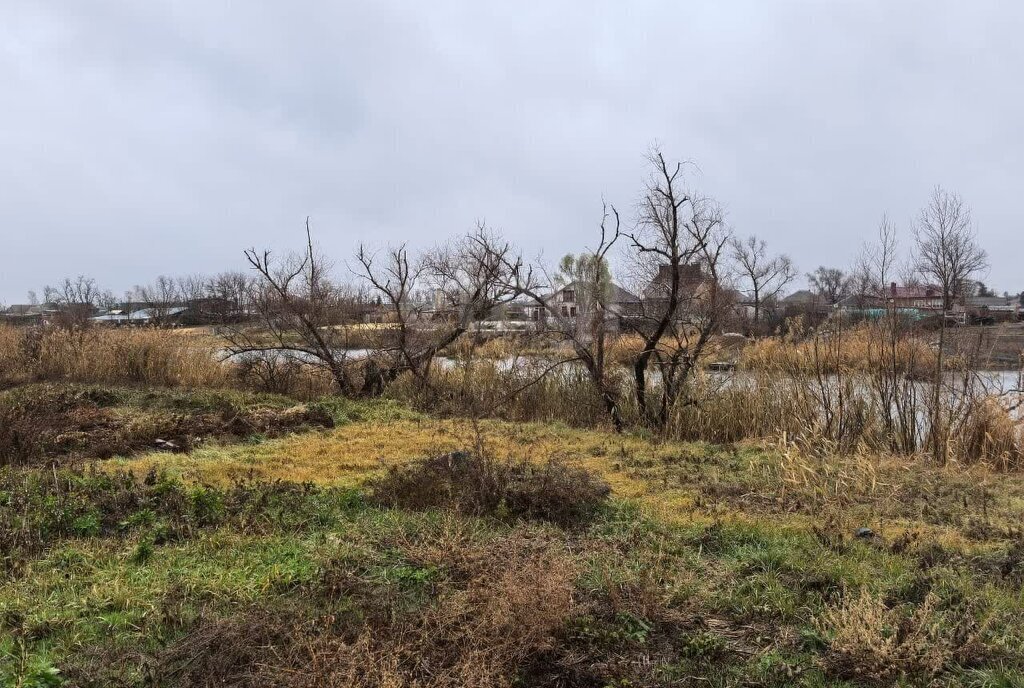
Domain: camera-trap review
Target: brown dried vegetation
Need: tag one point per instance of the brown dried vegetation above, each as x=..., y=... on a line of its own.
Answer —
x=477, y=485
x=42, y=423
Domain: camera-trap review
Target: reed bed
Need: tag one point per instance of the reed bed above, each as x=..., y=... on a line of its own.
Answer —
x=135, y=357
x=849, y=412
x=861, y=350
x=843, y=392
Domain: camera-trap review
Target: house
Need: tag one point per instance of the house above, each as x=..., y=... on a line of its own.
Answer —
x=988, y=310
x=142, y=316
x=570, y=302
x=691, y=278
x=695, y=286
x=921, y=297
x=22, y=314
x=47, y=313
x=804, y=301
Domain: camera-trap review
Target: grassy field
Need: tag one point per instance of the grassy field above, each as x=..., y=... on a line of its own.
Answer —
x=257, y=551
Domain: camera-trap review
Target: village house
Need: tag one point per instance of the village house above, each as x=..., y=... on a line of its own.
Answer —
x=920, y=297
x=694, y=287
x=569, y=303
x=691, y=277
x=22, y=314
x=989, y=310
x=804, y=302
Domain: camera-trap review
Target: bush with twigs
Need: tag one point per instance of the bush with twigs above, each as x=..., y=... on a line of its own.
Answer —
x=476, y=485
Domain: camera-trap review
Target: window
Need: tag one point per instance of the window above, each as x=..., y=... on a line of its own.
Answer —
x=569, y=296
x=565, y=311
x=572, y=312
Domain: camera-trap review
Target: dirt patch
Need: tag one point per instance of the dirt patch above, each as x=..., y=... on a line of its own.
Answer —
x=53, y=423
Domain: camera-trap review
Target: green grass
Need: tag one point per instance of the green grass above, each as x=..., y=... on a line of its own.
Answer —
x=709, y=566
x=723, y=601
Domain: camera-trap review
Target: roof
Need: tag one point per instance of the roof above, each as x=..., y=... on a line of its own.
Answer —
x=1000, y=302
x=915, y=292
x=801, y=296
x=22, y=309
x=141, y=315
x=617, y=294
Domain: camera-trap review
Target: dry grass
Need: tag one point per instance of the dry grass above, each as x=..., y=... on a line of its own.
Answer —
x=512, y=599
x=477, y=485
x=750, y=572
x=57, y=423
x=124, y=356
x=495, y=604
x=871, y=640
x=680, y=482
x=859, y=351
x=834, y=393
x=991, y=437
x=355, y=452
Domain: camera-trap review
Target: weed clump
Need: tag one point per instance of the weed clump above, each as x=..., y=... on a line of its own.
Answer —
x=868, y=639
x=479, y=486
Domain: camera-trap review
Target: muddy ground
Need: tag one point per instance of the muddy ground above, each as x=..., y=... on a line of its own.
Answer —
x=49, y=423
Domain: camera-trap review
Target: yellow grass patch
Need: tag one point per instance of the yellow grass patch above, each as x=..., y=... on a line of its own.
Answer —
x=349, y=454
x=676, y=481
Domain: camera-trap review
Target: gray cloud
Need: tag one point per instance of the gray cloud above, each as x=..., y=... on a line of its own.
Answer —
x=165, y=136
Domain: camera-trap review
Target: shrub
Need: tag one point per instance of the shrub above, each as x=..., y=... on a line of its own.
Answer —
x=990, y=437
x=869, y=640
x=479, y=486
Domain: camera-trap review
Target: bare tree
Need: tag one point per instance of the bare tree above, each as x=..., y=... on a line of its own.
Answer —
x=159, y=298
x=227, y=297
x=469, y=279
x=191, y=288
x=299, y=315
x=76, y=300
x=679, y=249
x=765, y=276
x=587, y=332
x=947, y=254
x=832, y=284
x=892, y=373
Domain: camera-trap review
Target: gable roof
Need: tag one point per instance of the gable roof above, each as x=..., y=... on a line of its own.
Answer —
x=923, y=291
x=616, y=293
x=801, y=296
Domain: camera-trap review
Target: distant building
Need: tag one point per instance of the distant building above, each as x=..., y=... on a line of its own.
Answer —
x=173, y=315
x=921, y=297
x=46, y=313
x=694, y=285
x=569, y=303
x=804, y=301
x=22, y=314
x=988, y=310
x=691, y=280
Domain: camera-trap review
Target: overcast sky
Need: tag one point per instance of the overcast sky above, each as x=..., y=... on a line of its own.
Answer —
x=165, y=136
